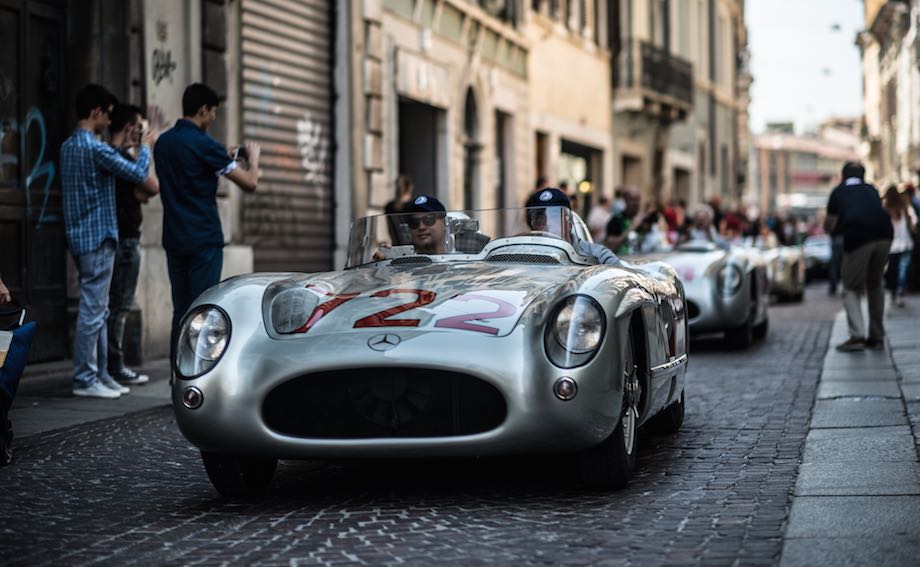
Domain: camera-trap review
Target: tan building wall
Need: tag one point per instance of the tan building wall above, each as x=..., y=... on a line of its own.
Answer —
x=707, y=148
x=423, y=60
x=570, y=101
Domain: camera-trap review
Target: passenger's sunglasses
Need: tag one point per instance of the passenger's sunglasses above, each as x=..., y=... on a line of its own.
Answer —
x=427, y=220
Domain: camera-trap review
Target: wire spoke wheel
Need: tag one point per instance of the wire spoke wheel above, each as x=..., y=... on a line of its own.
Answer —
x=612, y=463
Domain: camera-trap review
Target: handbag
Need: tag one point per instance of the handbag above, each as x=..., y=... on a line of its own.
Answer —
x=15, y=343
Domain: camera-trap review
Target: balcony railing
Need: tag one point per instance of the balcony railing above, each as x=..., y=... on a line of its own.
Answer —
x=649, y=78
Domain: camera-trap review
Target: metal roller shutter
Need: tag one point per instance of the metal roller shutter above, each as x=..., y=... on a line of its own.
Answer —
x=287, y=108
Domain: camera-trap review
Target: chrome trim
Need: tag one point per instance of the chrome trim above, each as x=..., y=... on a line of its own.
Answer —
x=668, y=367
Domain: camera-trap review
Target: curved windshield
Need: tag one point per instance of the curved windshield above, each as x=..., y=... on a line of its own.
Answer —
x=383, y=237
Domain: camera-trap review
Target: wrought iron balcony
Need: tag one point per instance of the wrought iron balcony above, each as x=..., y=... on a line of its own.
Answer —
x=649, y=79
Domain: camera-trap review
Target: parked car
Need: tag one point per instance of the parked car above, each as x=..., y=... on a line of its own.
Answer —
x=517, y=343
x=727, y=289
x=817, y=252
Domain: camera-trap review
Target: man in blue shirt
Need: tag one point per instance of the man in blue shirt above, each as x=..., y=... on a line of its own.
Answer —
x=88, y=171
x=189, y=164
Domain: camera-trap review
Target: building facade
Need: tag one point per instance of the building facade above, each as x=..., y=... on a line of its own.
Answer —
x=276, y=89
x=571, y=108
x=890, y=49
x=684, y=135
x=473, y=100
x=798, y=172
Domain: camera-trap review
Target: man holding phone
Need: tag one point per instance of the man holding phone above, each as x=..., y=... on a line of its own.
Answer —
x=189, y=163
x=127, y=129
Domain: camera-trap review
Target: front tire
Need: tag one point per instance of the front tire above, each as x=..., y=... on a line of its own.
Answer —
x=761, y=330
x=612, y=463
x=239, y=476
x=743, y=336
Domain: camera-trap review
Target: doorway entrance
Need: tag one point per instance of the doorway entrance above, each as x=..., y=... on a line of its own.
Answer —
x=33, y=123
x=420, y=145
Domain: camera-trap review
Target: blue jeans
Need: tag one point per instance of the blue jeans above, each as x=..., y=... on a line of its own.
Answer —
x=896, y=275
x=121, y=299
x=90, y=342
x=190, y=275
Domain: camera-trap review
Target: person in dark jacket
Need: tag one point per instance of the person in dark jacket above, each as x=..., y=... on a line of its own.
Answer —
x=189, y=164
x=855, y=211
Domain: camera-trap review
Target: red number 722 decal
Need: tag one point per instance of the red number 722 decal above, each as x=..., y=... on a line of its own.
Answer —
x=464, y=322
x=423, y=297
x=382, y=318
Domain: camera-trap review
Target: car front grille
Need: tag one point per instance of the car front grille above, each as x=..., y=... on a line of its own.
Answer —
x=370, y=403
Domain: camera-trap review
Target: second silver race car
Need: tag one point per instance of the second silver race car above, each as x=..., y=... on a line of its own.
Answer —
x=727, y=288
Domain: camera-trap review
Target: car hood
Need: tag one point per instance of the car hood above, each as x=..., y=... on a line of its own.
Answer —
x=470, y=297
x=690, y=266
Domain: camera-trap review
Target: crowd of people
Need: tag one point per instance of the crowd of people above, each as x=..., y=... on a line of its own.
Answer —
x=630, y=228
x=106, y=177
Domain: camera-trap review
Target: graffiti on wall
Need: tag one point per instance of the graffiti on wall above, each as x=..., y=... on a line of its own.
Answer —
x=313, y=146
x=41, y=174
x=163, y=65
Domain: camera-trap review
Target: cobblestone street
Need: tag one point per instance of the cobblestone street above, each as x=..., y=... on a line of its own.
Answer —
x=132, y=490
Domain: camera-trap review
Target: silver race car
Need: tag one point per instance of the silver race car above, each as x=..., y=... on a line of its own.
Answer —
x=447, y=334
x=727, y=289
x=787, y=272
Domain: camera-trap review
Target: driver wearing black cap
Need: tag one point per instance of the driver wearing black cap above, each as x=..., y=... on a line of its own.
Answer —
x=426, y=220
x=540, y=218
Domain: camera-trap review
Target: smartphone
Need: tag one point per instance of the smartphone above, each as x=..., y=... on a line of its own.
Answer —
x=240, y=153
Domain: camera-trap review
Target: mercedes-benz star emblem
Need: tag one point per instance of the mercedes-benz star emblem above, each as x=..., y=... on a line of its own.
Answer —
x=383, y=342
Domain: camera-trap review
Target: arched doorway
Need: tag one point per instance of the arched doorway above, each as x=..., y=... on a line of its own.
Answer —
x=471, y=150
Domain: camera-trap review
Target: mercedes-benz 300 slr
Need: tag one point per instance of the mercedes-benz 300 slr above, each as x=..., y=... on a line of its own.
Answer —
x=489, y=336
x=727, y=289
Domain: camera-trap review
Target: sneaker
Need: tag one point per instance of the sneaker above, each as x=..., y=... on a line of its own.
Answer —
x=852, y=344
x=875, y=344
x=899, y=301
x=128, y=376
x=96, y=390
x=111, y=384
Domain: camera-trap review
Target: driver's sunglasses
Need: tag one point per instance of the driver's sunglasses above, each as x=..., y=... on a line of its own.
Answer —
x=427, y=220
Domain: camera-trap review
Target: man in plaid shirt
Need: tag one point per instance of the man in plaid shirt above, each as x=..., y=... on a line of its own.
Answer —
x=88, y=170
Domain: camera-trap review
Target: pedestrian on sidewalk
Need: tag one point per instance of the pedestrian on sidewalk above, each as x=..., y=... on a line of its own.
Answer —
x=855, y=210
x=189, y=164
x=903, y=223
x=126, y=130
x=88, y=171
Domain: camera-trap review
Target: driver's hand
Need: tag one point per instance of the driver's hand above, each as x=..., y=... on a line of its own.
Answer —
x=378, y=255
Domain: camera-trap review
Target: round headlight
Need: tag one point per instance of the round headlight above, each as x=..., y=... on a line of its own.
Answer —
x=202, y=340
x=729, y=280
x=579, y=325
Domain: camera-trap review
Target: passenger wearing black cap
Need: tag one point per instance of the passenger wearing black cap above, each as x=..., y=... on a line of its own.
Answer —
x=426, y=219
x=540, y=218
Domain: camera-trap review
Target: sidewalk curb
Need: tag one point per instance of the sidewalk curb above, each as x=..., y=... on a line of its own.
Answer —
x=45, y=403
x=840, y=511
